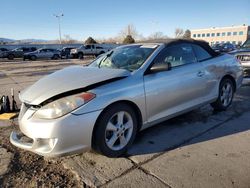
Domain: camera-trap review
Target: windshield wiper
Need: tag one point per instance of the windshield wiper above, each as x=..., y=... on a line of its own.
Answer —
x=105, y=58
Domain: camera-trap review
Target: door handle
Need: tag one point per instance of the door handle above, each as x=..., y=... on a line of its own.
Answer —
x=200, y=73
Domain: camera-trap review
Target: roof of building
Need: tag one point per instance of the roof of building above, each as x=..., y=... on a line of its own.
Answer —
x=218, y=28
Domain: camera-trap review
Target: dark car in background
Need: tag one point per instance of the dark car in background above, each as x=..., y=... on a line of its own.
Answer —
x=224, y=47
x=43, y=53
x=65, y=52
x=243, y=55
x=3, y=51
x=18, y=52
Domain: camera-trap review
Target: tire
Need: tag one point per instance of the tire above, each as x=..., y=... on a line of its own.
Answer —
x=11, y=57
x=225, y=97
x=55, y=57
x=33, y=57
x=80, y=55
x=115, y=125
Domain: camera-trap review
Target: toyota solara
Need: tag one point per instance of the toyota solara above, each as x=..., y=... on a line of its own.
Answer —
x=103, y=105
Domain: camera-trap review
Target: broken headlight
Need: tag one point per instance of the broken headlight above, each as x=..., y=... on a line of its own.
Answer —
x=63, y=106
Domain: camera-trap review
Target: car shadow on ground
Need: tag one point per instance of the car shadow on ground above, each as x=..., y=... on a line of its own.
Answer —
x=187, y=128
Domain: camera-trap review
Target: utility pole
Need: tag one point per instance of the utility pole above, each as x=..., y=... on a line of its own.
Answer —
x=58, y=16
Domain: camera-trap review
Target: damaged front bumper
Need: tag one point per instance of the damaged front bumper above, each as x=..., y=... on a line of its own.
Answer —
x=38, y=145
x=57, y=137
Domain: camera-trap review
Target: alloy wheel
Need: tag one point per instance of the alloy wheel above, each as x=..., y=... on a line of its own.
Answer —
x=119, y=130
x=226, y=94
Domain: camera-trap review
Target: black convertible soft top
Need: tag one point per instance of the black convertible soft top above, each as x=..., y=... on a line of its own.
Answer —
x=201, y=43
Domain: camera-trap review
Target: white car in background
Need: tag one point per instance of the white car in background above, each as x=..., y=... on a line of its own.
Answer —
x=43, y=53
x=90, y=49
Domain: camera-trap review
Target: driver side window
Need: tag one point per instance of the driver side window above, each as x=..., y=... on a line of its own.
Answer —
x=176, y=55
x=87, y=47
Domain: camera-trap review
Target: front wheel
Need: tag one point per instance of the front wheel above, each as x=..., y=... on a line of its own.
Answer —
x=115, y=130
x=55, y=57
x=225, y=98
x=80, y=56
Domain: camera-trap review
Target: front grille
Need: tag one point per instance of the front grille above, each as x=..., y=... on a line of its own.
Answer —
x=243, y=57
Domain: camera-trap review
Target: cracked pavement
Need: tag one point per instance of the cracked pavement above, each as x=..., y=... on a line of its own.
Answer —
x=201, y=148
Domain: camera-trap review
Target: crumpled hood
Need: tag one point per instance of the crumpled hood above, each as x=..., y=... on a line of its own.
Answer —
x=68, y=79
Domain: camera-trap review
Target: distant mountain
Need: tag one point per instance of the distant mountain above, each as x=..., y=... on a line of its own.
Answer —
x=6, y=40
x=32, y=40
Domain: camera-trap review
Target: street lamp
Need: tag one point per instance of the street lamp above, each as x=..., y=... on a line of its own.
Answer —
x=58, y=16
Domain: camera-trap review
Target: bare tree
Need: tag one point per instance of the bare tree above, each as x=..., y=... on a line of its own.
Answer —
x=157, y=35
x=179, y=33
x=129, y=30
x=68, y=40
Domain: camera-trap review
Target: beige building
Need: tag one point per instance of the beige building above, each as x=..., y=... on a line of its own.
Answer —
x=214, y=35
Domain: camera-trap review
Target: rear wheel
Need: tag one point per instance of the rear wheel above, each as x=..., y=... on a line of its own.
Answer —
x=226, y=93
x=115, y=130
x=33, y=57
x=11, y=56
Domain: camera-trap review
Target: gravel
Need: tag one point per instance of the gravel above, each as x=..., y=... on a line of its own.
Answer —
x=30, y=170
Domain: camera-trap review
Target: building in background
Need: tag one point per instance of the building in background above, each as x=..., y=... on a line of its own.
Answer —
x=234, y=34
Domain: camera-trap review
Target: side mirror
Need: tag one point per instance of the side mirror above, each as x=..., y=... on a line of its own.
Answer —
x=160, y=67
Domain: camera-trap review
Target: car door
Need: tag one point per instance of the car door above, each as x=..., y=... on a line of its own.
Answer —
x=175, y=90
x=50, y=53
x=42, y=53
x=93, y=50
x=88, y=50
x=207, y=61
x=19, y=52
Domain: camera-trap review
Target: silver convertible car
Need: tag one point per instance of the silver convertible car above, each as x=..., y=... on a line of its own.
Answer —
x=103, y=105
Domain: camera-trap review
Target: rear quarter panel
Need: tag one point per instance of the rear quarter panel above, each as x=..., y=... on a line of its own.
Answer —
x=218, y=67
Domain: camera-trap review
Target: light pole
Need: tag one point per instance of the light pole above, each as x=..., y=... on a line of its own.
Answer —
x=58, y=16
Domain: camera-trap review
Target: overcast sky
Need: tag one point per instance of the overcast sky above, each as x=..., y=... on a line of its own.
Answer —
x=23, y=19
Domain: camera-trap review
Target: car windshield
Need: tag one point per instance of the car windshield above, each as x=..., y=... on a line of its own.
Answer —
x=127, y=57
x=246, y=44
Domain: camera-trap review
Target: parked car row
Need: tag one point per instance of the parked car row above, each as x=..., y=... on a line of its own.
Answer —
x=224, y=47
x=83, y=50
x=32, y=53
x=16, y=53
x=44, y=53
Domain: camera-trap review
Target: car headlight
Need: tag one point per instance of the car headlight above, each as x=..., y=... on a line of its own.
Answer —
x=63, y=106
